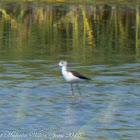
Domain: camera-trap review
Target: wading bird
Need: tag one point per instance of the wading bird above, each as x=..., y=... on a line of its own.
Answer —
x=71, y=76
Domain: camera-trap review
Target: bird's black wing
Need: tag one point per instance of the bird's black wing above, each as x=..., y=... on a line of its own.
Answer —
x=79, y=75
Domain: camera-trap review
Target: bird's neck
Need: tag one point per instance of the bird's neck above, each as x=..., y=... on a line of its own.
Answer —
x=63, y=69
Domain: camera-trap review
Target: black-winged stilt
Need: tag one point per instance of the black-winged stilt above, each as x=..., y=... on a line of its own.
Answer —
x=71, y=76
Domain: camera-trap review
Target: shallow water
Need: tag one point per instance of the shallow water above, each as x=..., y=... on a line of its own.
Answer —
x=35, y=101
x=38, y=103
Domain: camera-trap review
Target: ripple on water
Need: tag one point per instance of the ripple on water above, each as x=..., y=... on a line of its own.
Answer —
x=36, y=99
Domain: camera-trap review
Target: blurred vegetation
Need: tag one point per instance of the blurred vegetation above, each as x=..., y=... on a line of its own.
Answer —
x=120, y=2
x=69, y=29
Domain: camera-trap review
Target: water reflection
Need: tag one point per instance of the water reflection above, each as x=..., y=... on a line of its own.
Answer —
x=99, y=41
x=42, y=31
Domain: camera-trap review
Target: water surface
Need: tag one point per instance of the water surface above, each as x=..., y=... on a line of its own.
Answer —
x=99, y=41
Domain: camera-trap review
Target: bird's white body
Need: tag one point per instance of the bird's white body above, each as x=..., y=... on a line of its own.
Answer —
x=68, y=76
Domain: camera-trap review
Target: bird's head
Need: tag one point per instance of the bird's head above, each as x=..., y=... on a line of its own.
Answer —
x=62, y=63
